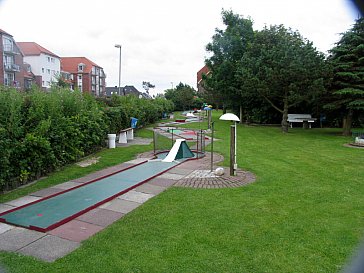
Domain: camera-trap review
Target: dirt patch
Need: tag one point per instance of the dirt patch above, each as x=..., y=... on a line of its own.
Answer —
x=88, y=162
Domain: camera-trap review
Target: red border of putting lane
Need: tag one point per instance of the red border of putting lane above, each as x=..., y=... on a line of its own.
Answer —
x=65, y=220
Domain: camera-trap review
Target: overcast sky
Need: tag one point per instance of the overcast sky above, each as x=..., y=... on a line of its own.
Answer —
x=162, y=41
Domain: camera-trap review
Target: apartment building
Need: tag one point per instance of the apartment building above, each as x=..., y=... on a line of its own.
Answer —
x=45, y=65
x=86, y=75
x=11, y=62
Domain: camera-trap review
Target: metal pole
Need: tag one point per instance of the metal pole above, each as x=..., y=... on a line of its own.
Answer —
x=197, y=144
x=235, y=163
x=172, y=138
x=120, y=70
x=154, y=142
x=119, y=47
x=212, y=146
x=232, y=148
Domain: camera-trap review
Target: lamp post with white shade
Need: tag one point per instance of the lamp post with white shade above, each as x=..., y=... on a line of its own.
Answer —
x=233, y=164
x=119, y=47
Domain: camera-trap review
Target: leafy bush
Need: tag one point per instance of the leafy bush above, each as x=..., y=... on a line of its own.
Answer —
x=41, y=131
x=123, y=108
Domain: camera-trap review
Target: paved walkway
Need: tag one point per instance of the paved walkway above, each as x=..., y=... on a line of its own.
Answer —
x=64, y=239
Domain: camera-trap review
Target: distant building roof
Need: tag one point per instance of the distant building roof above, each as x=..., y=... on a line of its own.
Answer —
x=70, y=64
x=4, y=32
x=33, y=49
x=129, y=89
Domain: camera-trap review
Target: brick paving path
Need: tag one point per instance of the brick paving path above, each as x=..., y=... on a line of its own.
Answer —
x=202, y=177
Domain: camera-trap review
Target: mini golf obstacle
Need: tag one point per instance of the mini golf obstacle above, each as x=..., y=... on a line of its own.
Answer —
x=164, y=138
x=53, y=211
x=180, y=150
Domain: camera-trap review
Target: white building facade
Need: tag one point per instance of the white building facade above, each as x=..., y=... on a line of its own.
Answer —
x=46, y=66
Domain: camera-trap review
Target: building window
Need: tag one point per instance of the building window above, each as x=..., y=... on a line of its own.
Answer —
x=49, y=59
x=48, y=83
x=42, y=69
x=48, y=71
x=52, y=60
x=9, y=79
x=80, y=77
x=8, y=44
x=80, y=67
x=42, y=83
x=8, y=61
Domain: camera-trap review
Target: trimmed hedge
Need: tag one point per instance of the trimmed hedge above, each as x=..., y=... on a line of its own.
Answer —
x=120, y=110
x=42, y=131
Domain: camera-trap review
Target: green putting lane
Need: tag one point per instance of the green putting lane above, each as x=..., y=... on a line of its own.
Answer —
x=43, y=215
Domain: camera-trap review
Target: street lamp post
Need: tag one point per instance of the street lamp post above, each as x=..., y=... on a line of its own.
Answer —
x=119, y=47
x=232, y=117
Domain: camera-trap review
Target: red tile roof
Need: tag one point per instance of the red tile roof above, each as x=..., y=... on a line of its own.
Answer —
x=4, y=32
x=33, y=49
x=70, y=64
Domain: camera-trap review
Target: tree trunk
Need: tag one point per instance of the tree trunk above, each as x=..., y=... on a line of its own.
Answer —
x=285, y=116
x=224, y=109
x=247, y=118
x=241, y=114
x=347, y=123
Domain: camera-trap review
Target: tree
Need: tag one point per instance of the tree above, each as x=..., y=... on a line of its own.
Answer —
x=282, y=67
x=227, y=48
x=147, y=86
x=61, y=82
x=347, y=60
x=183, y=97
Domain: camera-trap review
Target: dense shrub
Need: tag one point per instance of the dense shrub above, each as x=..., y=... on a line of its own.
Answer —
x=122, y=109
x=41, y=131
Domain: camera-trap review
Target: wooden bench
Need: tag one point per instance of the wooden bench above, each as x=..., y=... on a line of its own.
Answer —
x=305, y=119
x=125, y=135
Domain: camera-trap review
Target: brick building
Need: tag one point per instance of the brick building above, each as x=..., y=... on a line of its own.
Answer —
x=86, y=75
x=203, y=71
x=11, y=62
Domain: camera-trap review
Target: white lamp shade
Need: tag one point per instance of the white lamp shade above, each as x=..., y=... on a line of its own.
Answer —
x=229, y=116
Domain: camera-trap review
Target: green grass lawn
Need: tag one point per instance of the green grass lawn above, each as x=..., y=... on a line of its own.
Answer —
x=305, y=213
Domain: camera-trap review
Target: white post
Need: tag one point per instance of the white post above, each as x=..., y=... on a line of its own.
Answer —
x=235, y=164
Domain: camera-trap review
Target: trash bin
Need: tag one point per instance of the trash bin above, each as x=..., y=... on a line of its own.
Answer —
x=134, y=122
x=111, y=138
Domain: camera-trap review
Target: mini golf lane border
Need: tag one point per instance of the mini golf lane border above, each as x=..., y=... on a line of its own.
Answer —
x=69, y=218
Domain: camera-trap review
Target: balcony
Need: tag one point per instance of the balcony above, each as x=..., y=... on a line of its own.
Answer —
x=10, y=49
x=12, y=67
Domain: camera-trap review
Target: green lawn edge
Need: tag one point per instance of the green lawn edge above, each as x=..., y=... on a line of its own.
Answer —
x=304, y=213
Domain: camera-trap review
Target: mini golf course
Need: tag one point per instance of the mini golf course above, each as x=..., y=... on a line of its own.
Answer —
x=53, y=211
x=186, y=134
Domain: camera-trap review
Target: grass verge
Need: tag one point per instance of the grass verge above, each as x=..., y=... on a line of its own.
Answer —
x=303, y=214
